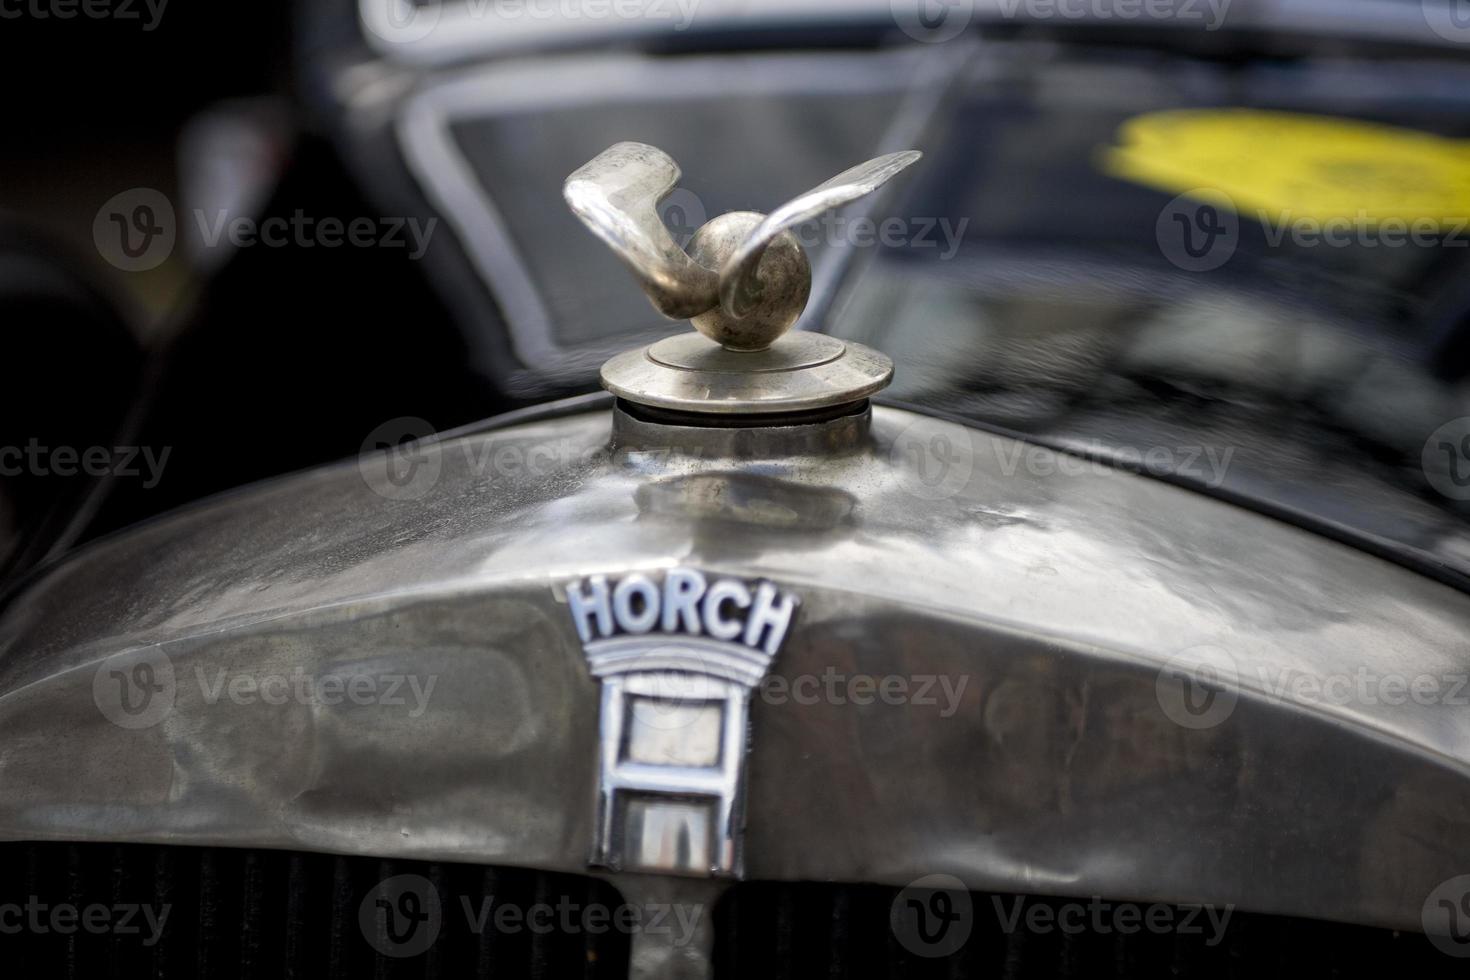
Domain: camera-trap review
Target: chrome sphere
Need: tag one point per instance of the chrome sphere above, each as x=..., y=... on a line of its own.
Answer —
x=784, y=274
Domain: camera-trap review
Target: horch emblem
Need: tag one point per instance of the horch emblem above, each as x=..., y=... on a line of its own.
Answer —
x=678, y=656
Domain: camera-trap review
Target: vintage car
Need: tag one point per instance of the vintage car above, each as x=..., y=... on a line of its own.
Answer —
x=1034, y=558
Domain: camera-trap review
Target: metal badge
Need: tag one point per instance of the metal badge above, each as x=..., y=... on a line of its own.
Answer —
x=678, y=659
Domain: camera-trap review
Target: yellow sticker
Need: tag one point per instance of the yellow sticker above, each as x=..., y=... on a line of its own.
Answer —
x=1283, y=167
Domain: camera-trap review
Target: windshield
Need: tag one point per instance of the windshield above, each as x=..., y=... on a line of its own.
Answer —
x=1248, y=275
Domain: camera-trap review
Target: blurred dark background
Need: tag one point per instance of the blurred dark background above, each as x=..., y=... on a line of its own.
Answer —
x=1058, y=312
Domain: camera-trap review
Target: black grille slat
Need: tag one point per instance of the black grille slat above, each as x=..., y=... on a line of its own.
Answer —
x=251, y=913
x=763, y=930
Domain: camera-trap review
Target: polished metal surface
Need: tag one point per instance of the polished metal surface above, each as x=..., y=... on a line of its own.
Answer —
x=748, y=279
x=1036, y=605
x=799, y=372
x=779, y=281
x=616, y=194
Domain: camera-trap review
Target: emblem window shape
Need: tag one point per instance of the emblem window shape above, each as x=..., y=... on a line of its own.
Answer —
x=678, y=660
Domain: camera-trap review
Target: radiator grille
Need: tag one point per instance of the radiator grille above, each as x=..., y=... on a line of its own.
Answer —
x=812, y=931
x=257, y=913
x=272, y=914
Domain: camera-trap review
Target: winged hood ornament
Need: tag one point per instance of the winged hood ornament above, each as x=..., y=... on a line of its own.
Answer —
x=743, y=283
x=745, y=279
